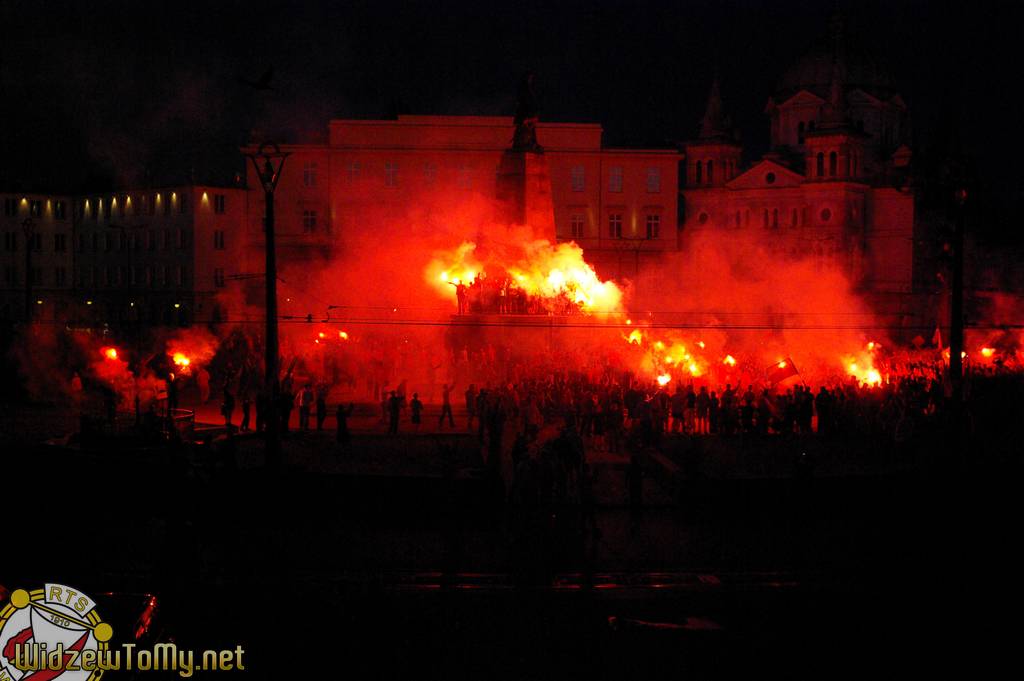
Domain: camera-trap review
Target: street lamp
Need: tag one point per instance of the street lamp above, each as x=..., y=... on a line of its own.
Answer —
x=268, y=162
x=28, y=227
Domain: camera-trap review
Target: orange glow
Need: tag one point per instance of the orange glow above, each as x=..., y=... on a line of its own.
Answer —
x=322, y=335
x=664, y=379
x=782, y=364
x=110, y=353
x=343, y=335
x=181, y=360
x=987, y=352
x=729, y=360
x=635, y=337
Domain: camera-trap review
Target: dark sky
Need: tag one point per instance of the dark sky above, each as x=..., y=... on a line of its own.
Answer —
x=99, y=93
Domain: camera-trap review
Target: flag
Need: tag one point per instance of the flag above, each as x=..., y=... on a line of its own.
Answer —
x=780, y=371
x=937, y=338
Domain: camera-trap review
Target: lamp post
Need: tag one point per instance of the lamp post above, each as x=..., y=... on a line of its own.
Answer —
x=956, y=303
x=268, y=162
x=28, y=227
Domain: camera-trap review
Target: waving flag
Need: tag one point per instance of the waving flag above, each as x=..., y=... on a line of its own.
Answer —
x=782, y=370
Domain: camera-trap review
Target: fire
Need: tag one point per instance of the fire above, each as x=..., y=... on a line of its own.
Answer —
x=181, y=360
x=987, y=352
x=782, y=364
x=110, y=353
x=343, y=335
x=664, y=379
x=540, y=270
x=321, y=335
x=729, y=361
x=635, y=337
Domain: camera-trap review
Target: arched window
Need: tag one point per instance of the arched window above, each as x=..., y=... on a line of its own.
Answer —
x=698, y=177
x=800, y=132
x=810, y=127
x=853, y=165
x=821, y=164
x=793, y=221
x=833, y=161
x=711, y=171
x=766, y=218
x=737, y=218
x=775, y=218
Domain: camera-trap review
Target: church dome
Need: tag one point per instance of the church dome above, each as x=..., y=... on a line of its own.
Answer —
x=813, y=72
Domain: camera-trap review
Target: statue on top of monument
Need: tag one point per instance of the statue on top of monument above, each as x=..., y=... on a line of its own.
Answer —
x=525, y=136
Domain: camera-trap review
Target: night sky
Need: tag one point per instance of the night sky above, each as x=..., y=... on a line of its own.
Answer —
x=101, y=94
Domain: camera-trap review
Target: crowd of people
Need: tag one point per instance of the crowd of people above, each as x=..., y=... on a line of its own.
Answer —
x=501, y=295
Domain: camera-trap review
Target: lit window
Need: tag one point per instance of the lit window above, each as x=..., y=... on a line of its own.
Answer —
x=576, y=225
x=309, y=174
x=309, y=221
x=654, y=179
x=390, y=174
x=615, y=225
x=578, y=178
x=615, y=179
x=653, y=226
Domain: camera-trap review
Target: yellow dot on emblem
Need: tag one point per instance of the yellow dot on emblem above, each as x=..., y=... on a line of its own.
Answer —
x=19, y=599
x=102, y=632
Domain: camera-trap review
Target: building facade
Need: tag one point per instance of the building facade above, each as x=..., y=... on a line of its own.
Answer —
x=609, y=201
x=835, y=185
x=159, y=256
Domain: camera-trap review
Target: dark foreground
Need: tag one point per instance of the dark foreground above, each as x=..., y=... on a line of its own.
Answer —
x=378, y=576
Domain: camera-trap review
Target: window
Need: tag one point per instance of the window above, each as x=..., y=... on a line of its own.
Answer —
x=10, y=207
x=429, y=172
x=826, y=214
x=821, y=165
x=218, y=277
x=167, y=239
x=737, y=218
x=93, y=210
x=60, y=276
x=465, y=178
x=833, y=162
x=60, y=210
x=167, y=206
x=576, y=225
x=653, y=226
x=10, y=275
x=135, y=205
x=60, y=243
x=152, y=240
x=354, y=168
x=182, y=238
x=218, y=240
x=219, y=204
x=108, y=242
x=769, y=178
x=181, y=204
x=36, y=274
x=149, y=275
x=151, y=205
x=578, y=178
x=35, y=208
x=179, y=276
x=615, y=225
x=390, y=174
x=698, y=175
x=654, y=179
x=615, y=179
x=703, y=218
x=800, y=132
x=309, y=221
x=775, y=218
x=766, y=218
x=792, y=221
x=10, y=241
x=710, y=178
x=120, y=206
x=309, y=174
x=162, y=275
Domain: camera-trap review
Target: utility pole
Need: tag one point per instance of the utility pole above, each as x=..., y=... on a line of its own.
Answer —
x=28, y=226
x=268, y=162
x=956, y=304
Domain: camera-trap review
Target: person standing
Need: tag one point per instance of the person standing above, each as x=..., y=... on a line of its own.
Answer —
x=321, y=406
x=341, y=414
x=394, y=409
x=446, y=405
x=305, y=406
x=416, y=408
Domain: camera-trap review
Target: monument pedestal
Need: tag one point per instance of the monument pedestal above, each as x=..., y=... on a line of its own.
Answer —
x=524, y=192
